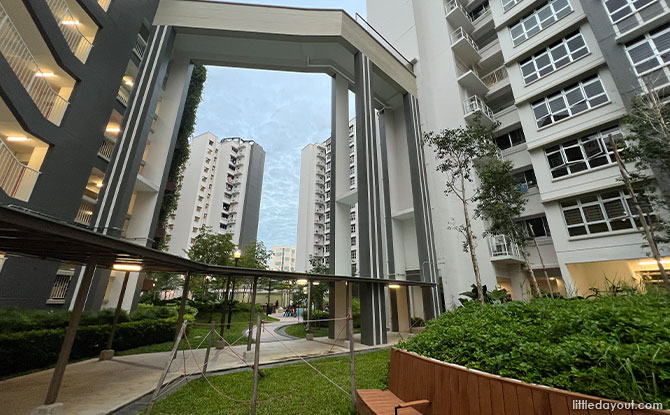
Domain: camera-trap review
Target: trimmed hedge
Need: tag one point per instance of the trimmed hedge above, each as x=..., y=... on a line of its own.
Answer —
x=28, y=350
x=612, y=347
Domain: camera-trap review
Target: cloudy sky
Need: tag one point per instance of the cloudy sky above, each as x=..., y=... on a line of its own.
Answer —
x=283, y=112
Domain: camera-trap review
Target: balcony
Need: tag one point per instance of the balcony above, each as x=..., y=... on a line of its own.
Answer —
x=502, y=249
x=67, y=23
x=123, y=95
x=16, y=179
x=104, y=4
x=497, y=82
x=475, y=107
x=107, y=147
x=457, y=16
x=139, y=47
x=464, y=47
x=471, y=81
x=86, y=209
x=24, y=65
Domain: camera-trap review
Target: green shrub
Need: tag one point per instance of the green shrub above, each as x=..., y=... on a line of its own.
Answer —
x=317, y=315
x=35, y=349
x=612, y=347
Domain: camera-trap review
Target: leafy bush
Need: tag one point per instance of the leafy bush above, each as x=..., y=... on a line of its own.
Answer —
x=35, y=349
x=490, y=297
x=318, y=315
x=612, y=347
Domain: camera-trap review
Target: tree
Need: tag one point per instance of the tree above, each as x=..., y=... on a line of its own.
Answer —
x=457, y=150
x=321, y=290
x=166, y=281
x=213, y=249
x=254, y=255
x=648, y=147
x=499, y=201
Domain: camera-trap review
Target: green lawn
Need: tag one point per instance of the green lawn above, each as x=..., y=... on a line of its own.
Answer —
x=285, y=390
x=197, y=333
x=298, y=330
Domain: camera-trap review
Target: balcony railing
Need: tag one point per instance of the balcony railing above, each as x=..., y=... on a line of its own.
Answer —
x=78, y=43
x=139, y=47
x=16, y=179
x=104, y=4
x=107, y=148
x=455, y=4
x=459, y=34
x=475, y=104
x=24, y=65
x=59, y=288
x=495, y=76
x=480, y=13
x=85, y=213
x=502, y=246
x=123, y=96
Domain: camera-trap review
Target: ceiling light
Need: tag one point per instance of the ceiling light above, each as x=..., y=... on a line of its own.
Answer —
x=44, y=75
x=98, y=184
x=653, y=262
x=315, y=283
x=70, y=22
x=394, y=286
x=17, y=138
x=302, y=282
x=129, y=83
x=126, y=267
x=113, y=129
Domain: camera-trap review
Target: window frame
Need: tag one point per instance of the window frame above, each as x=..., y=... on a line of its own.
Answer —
x=536, y=25
x=649, y=39
x=629, y=3
x=568, y=110
x=564, y=42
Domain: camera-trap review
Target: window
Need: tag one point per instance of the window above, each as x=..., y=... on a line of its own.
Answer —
x=353, y=255
x=328, y=194
x=650, y=52
x=508, y=4
x=620, y=10
x=352, y=181
x=569, y=102
x=211, y=142
x=351, y=159
x=61, y=284
x=353, y=216
x=200, y=198
x=526, y=179
x=539, y=20
x=327, y=249
x=353, y=241
x=352, y=170
x=196, y=219
x=327, y=215
x=584, y=153
x=561, y=53
x=604, y=212
x=511, y=139
x=536, y=227
x=353, y=228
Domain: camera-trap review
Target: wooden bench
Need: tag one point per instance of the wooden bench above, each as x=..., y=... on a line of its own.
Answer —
x=384, y=402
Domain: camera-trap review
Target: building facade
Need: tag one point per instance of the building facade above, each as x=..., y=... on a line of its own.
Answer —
x=221, y=190
x=283, y=258
x=68, y=74
x=314, y=235
x=558, y=77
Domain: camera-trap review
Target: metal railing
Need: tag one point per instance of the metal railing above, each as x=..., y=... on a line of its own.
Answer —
x=107, y=148
x=104, y=4
x=24, y=65
x=474, y=104
x=501, y=245
x=59, y=288
x=16, y=179
x=85, y=213
x=495, y=76
x=480, y=13
x=123, y=95
x=453, y=5
x=139, y=47
x=67, y=23
x=459, y=34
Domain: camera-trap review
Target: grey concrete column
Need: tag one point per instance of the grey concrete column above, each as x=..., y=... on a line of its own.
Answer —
x=370, y=214
x=337, y=305
x=422, y=213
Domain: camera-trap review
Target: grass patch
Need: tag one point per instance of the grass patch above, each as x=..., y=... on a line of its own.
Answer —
x=612, y=347
x=298, y=330
x=197, y=333
x=285, y=390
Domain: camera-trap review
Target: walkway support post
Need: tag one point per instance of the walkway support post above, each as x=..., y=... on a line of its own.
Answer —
x=221, y=343
x=70, y=332
x=257, y=357
x=166, y=369
x=211, y=332
x=254, y=287
x=230, y=303
x=352, y=357
x=309, y=335
x=108, y=349
x=182, y=305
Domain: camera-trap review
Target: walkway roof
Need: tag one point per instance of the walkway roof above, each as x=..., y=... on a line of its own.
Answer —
x=27, y=234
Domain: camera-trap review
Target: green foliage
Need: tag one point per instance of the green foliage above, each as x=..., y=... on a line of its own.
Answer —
x=612, y=347
x=254, y=255
x=491, y=297
x=212, y=248
x=27, y=350
x=182, y=150
x=318, y=315
x=284, y=390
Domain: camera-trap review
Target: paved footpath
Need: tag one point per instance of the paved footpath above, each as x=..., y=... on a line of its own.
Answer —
x=96, y=387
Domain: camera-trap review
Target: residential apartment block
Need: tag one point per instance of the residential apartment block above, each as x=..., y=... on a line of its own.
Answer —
x=283, y=258
x=221, y=190
x=68, y=71
x=315, y=192
x=558, y=77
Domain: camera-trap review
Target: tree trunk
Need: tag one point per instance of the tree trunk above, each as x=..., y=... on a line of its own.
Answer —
x=640, y=213
x=471, y=245
x=535, y=289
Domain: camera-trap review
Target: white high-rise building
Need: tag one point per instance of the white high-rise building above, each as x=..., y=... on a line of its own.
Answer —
x=314, y=232
x=282, y=258
x=558, y=76
x=221, y=190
